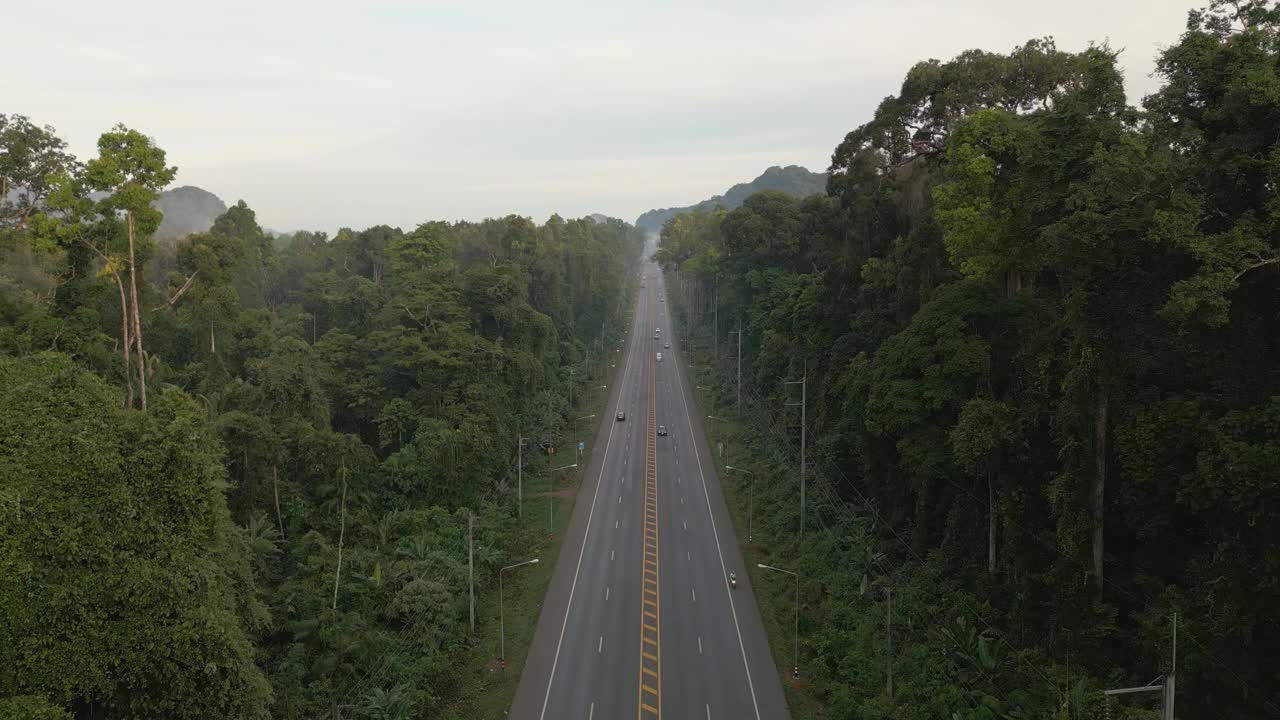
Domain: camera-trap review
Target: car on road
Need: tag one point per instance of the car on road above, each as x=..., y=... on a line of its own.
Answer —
x=667, y=346
x=662, y=430
x=621, y=416
x=659, y=357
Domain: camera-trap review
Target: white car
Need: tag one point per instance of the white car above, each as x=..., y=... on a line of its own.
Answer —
x=659, y=357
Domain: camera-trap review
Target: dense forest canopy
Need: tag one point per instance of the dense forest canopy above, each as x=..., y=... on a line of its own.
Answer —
x=1041, y=333
x=281, y=530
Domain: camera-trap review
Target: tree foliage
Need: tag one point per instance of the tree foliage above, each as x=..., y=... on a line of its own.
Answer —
x=311, y=399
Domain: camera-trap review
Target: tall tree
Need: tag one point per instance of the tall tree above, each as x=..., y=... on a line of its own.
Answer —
x=131, y=169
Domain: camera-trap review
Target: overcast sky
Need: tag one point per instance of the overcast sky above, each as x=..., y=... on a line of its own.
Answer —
x=323, y=114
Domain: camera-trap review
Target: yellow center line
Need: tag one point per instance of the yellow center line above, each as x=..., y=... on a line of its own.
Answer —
x=650, y=696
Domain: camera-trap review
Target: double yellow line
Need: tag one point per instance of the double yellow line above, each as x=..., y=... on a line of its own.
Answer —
x=650, y=702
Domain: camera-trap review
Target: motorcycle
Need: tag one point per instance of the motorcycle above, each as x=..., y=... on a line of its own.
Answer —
x=733, y=581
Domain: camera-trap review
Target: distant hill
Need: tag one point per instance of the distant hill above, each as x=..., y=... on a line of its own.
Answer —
x=792, y=179
x=187, y=210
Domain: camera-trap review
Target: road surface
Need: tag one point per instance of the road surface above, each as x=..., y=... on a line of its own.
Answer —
x=639, y=620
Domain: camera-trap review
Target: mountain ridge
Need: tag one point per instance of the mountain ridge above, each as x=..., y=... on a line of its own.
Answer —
x=791, y=179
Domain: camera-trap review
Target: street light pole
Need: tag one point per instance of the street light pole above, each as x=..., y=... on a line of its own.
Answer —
x=502, y=627
x=551, y=499
x=795, y=670
x=751, y=496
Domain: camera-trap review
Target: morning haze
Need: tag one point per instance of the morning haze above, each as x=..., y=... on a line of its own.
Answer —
x=323, y=114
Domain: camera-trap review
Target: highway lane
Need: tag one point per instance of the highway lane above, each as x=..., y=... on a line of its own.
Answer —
x=584, y=661
x=726, y=670
x=639, y=620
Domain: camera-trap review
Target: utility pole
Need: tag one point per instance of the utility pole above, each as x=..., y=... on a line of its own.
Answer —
x=751, y=497
x=738, y=332
x=888, y=628
x=471, y=565
x=520, y=476
x=1170, y=683
x=715, y=303
x=803, y=383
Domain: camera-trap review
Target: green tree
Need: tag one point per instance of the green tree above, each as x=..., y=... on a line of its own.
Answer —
x=131, y=169
x=142, y=615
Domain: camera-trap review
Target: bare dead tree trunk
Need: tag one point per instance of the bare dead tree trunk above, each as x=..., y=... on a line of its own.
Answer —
x=125, y=340
x=1013, y=283
x=213, y=344
x=178, y=295
x=342, y=529
x=1099, y=489
x=137, y=320
x=275, y=482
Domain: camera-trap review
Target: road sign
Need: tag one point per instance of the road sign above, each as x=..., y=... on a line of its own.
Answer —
x=581, y=445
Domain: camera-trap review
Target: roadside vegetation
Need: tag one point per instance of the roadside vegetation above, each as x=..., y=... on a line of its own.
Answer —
x=1039, y=331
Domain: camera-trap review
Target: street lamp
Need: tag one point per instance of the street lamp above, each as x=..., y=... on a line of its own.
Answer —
x=576, y=439
x=751, y=495
x=502, y=627
x=713, y=417
x=551, y=499
x=795, y=670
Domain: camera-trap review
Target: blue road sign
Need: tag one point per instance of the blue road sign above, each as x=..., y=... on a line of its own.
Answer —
x=581, y=445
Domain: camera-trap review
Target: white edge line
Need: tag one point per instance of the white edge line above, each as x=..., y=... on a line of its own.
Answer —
x=582, y=551
x=729, y=593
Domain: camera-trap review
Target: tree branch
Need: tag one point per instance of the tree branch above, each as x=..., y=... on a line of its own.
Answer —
x=1255, y=266
x=181, y=291
x=414, y=317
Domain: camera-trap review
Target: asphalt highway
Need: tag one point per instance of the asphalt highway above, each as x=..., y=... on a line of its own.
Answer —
x=639, y=620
